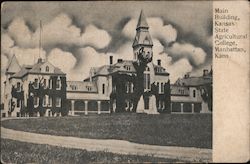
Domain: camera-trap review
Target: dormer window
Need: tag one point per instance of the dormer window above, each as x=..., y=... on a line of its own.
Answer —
x=89, y=88
x=47, y=69
x=73, y=87
x=127, y=67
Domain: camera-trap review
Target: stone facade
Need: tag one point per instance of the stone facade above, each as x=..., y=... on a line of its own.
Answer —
x=119, y=84
x=34, y=90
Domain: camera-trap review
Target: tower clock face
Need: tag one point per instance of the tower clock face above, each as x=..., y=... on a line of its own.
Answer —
x=145, y=56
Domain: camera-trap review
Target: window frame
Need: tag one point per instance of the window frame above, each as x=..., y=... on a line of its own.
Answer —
x=58, y=101
x=47, y=69
x=58, y=83
x=194, y=93
x=103, y=88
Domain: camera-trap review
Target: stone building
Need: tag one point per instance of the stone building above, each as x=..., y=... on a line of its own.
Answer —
x=34, y=90
x=112, y=87
x=192, y=94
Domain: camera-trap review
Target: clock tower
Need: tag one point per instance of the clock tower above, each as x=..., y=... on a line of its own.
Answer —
x=142, y=46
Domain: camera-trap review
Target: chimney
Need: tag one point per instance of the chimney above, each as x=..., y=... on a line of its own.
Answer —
x=40, y=60
x=110, y=60
x=187, y=75
x=90, y=74
x=159, y=62
x=205, y=72
x=119, y=60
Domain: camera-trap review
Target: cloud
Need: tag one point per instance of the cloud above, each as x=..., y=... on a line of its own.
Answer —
x=179, y=69
x=196, y=55
x=6, y=44
x=59, y=31
x=20, y=32
x=89, y=57
x=157, y=29
x=159, y=54
x=125, y=52
x=96, y=37
x=61, y=59
x=28, y=56
x=4, y=62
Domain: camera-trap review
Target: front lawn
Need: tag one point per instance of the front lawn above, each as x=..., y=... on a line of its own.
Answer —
x=189, y=130
x=20, y=152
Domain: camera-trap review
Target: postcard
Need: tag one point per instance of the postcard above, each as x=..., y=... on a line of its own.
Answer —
x=125, y=82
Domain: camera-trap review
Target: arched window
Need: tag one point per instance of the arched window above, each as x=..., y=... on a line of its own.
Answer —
x=47, y=69
x=103, y=88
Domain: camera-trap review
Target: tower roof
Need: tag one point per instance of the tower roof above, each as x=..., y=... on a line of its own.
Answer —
x=13, y=66
x=142, y=21
x=142, y=34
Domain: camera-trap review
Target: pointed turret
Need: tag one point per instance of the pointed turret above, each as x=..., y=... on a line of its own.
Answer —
x=13, y=66
x=143, y=40
x=142, y=23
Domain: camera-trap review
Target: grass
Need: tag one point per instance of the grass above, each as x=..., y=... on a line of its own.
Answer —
x=20, y=152
x=191, y=130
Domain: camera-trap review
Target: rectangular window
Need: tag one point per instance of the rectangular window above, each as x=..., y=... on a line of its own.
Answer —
x=36, y=83
x=58, y=83
x=50, y=101
x=36, y=101
x=18, y=86
x=132, y=87
x=158, y=87
x=127, y=87
x=194, y=93
x=148, y=81
x=162, y=88
x=58, y=102
x=18, y=103
x=44, y=101
x=103, y=88
x=45, y=83
x=50, y=83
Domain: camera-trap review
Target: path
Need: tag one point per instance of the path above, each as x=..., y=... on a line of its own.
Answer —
x=113, y=146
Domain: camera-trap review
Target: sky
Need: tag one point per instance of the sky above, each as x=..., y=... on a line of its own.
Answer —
x=79, y=35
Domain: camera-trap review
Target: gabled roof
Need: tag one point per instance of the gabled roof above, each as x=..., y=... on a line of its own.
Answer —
x=13, y=66
x=81, y=86
x=21, y=73
x=124, y=66
x=194, y=81
x=162, y=70
x=179, y=90
x=142, y=23
x=35, y=69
